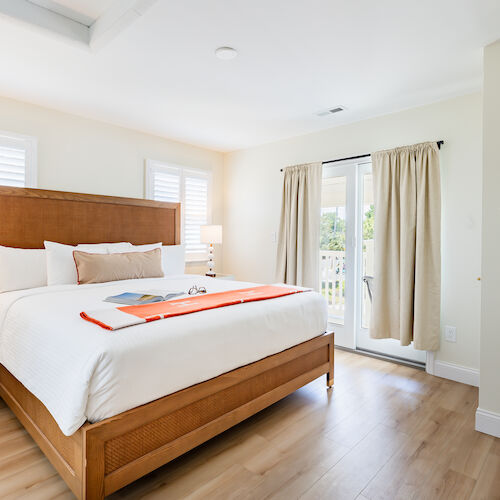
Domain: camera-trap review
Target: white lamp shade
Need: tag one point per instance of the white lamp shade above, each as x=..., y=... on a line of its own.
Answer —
x=211, y=234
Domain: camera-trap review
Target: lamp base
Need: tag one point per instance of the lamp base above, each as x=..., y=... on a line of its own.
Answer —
x=211, y=263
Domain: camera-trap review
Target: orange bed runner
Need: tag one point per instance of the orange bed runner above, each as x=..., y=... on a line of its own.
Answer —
x=113, y=319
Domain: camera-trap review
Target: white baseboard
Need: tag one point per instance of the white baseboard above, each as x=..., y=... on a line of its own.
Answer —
x=458, y=373
x=488, y=422
x=451, y=371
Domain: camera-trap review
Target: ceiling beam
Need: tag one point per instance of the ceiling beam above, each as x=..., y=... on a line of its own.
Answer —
x=61, y=8
x=119, y=16
x=45, y=19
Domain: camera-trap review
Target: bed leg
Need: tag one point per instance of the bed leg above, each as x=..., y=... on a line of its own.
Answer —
x=93, y=485
x=331, y=354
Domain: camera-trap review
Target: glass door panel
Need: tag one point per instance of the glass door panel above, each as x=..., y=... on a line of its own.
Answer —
x=333, y=246
x=336, y=253
x=368, y=214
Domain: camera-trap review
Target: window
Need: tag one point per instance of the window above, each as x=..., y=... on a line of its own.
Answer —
x=17, y=160
x=191, y=187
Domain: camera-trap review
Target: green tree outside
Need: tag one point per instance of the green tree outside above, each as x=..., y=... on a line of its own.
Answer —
x=369, y=223
x=332, y=230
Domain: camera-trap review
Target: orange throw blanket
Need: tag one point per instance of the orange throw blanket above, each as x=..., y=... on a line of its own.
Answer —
x=121, y=317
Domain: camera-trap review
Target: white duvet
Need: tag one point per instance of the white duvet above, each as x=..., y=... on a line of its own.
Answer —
x=82, y=372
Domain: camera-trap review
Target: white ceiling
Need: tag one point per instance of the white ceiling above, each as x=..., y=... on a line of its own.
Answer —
x=296, y=58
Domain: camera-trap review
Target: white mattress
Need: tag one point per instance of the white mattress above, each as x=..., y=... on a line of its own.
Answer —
x=82, y=372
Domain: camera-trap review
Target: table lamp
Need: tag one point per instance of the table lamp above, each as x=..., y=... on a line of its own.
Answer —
x=211, y=234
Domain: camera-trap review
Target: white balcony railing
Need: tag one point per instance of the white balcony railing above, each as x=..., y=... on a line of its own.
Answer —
x=332, y=274
x=332, y=280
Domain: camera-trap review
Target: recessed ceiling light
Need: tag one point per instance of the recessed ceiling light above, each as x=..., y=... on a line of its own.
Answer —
x=226, y=53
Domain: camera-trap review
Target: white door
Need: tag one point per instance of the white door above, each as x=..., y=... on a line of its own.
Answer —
x=337, y=250
x=346, y=256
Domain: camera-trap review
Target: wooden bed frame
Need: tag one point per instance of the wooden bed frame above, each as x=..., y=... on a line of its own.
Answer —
x=101, y=458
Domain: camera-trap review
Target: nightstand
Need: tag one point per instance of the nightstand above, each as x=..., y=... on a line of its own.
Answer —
x=223, y=276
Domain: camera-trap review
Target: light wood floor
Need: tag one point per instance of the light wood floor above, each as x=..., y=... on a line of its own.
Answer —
x=384, y=431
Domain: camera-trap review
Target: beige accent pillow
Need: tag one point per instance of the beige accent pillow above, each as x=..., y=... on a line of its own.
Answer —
x=100, y=268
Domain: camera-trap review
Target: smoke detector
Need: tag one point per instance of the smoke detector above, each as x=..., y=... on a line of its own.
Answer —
x=226, y=53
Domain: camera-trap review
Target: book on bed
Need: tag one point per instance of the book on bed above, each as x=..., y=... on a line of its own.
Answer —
x=138, y=298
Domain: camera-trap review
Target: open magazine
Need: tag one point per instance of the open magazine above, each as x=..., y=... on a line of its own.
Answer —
x=146, y=297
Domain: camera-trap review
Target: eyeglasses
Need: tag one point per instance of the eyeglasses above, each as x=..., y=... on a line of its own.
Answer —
x=194, y=290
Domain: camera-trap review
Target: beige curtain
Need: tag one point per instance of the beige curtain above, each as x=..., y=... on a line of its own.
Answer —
x=406, y=301
x=298, y=240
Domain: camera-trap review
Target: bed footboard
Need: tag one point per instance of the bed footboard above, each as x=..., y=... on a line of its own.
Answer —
x=105, y=456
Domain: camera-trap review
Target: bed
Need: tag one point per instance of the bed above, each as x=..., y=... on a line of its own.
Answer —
x=151, y=392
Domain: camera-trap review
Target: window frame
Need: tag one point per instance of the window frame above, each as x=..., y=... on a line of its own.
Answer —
x=153, y=166
x=31, y=161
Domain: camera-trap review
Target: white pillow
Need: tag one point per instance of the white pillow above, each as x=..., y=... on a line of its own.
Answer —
x=61, y=268
x=145, y=248
x=172, y=257
x=22, y=268
x=122, y=247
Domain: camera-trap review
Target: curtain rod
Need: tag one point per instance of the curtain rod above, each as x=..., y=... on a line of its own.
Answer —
x=439, y=144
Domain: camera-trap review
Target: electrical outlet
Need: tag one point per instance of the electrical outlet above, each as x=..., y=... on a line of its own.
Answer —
x=450, y=333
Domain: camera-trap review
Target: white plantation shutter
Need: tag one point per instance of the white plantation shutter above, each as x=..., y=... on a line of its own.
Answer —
x=190, y=187
x=166, y=184
x=17, y=161
x=12, y=166
x=195, y=210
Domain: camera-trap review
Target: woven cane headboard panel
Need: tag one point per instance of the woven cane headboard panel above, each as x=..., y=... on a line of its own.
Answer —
x=30, y=216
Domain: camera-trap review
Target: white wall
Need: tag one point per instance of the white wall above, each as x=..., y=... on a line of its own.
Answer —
x=86, y=156
x=77, y=154
x=489, y=391
x=252, y=190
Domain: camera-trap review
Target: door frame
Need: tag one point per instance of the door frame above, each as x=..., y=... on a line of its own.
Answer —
x=344, y=332
x=362, y=168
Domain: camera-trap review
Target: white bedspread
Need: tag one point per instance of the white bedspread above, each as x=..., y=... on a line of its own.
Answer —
x=82, y=372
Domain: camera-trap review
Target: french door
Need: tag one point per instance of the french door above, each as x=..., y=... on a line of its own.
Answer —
x=346, y=258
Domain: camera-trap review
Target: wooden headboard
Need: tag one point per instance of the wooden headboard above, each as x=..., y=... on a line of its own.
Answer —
x=30, y=216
